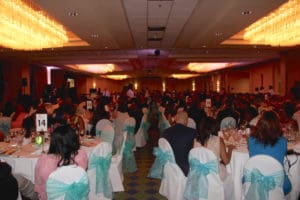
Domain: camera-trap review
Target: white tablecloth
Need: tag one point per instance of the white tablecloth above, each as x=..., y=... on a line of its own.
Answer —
x=24, y=161
x=236, y=165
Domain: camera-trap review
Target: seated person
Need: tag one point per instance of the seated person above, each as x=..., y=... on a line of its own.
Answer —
x=8, y=183
x=208, y=137
x=181, y=139
x=267, y=139
x=63, y=150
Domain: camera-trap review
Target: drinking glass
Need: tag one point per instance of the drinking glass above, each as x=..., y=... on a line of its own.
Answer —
x=19, y=140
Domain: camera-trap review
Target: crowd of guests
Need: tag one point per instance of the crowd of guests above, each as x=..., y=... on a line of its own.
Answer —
x=268, y=115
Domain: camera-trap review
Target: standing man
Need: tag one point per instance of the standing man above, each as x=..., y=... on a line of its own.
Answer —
x=181, y=139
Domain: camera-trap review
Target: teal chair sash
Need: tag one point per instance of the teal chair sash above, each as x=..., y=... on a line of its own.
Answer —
x=164, y=125
x=129, y=129
x=145, y=126
x=101, y=165
x=130, y=133
x=261, y=185
x=75, y=191
x=129, y=163
x=162, y=157
x=98, y=133
x=197, y=182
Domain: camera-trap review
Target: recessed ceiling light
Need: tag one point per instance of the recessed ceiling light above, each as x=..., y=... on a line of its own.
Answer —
x=73, y=13
x=247, y=12
x=203, y=46
x=219, y=34
x=94, y=35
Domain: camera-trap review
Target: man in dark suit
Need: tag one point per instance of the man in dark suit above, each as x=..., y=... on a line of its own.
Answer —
x=181, y=139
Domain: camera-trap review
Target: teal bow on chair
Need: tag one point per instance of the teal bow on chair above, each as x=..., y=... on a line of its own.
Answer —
x=145, y=127
x=101, y=164
x=129, y=129
x=130, y=133
x=261, y=185
x=162, y=157
x=197, y=182
x=164, y=125
x=75, y=191
x=129, y=163
x=98, y=133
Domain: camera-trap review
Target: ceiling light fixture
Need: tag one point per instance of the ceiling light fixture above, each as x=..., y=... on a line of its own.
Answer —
x=279, y=28
x=94, y=68
x=247, y=12
x=207, y=67
x=23, y=28
x=73, y=13
x=184, y=76
x=116, y=77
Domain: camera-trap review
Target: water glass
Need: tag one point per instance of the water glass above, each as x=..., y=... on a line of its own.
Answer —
x=19, y=140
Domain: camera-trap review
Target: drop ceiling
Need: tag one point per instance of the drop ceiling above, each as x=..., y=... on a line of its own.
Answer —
x=157, y=36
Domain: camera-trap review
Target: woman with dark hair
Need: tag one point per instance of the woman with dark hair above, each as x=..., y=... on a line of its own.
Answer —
x=208, y=137
x=8, y=183
x=268, y=140
x=63, y=150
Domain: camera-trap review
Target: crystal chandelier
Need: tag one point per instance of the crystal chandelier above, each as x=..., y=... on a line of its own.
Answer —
x=23, y=28
x=279, y=28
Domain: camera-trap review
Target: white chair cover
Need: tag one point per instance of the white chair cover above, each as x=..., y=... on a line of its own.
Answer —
x=191, y=123
x=263, y=179
x=228, y=122
x=98, y=168
x=107, y=133
x=173, y=182
x=129, y=127
x=203, y=180
x=100, y=124
x=115, y=170
x=69, y=183
x=142, y=133
x=5, y=123
x=118, y=126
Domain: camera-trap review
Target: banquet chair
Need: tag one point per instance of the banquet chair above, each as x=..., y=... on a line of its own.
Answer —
x=228, y=122
x=69, y=183
x=162, y=157
x=98, y=168
x=107, y=133
x=263, y=179
x=191, y=123
x=203, y=181
x=100, y=124
x=128, y=161
x=129, y=127
x=173, y=179
x=163, y=122
x=141, y=135
x=115, y=170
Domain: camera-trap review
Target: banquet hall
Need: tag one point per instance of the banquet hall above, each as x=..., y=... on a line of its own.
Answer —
x=80, y=62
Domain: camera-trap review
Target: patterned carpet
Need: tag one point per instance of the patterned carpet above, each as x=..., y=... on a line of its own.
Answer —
x=137, y=185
